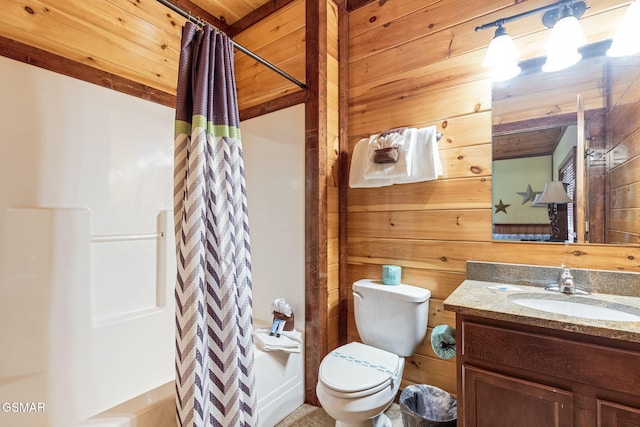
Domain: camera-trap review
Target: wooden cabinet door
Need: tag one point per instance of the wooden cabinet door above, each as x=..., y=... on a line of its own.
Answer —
x=494, y=400
x=614, y=415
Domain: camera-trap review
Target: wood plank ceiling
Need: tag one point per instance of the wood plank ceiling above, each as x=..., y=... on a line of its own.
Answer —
x=134, y=40
x=228, y=11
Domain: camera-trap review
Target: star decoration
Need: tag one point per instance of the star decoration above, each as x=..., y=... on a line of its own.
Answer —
x=529, y=195
x=501, y=207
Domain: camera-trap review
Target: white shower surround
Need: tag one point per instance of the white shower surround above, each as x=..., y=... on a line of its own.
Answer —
x=86, y=261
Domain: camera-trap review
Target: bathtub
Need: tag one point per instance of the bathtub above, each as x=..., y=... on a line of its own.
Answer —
x=279, y=386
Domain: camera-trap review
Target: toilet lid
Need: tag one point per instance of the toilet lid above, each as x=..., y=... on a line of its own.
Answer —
x=356, y=367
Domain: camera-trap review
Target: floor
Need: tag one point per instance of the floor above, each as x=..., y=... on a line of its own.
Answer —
x=312, y=416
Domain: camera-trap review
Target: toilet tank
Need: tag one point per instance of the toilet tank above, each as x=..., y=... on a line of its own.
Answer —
x=392, y=318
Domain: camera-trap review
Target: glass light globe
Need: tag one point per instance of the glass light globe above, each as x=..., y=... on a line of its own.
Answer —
x=627, y=38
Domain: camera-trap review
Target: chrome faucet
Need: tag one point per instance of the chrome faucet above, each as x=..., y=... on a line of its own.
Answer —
x=566, y=285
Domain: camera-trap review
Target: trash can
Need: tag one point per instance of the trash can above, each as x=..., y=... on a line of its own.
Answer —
x=427, y=406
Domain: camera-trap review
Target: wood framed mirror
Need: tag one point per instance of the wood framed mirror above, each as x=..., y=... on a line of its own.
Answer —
x=580, y=126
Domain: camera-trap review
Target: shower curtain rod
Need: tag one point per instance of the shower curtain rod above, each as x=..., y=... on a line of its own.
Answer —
x=241, y=48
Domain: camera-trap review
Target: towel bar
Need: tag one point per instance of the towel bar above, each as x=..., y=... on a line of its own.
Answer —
x=123, y=237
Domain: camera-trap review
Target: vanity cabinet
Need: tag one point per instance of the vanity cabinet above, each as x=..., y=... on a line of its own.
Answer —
x=510, y=374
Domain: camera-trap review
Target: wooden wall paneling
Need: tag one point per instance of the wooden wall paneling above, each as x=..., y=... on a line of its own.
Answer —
x=405, y=35
x=54, y=27
x=627, y=197
x=624, y=85
x=626, y=223
x=378, y=14
x=451, y=256
x=457, y=132
x=376, y=116
x=409, y=21
x=40, y=58
x=625, y=150
x=420, y=369
x=265, y=86
x=440, y=283
x=227, y=11
x=432, y=76
x=441, y=194
x=195, y=10
x=148, y=31
x=279, y=39
x=625, y=174
x=257, y=15
x=276, y=104
x=623, y=207
x=400, y=70
x=466, y=162
x=281, y=52
x=286, y=20
x=464, y=225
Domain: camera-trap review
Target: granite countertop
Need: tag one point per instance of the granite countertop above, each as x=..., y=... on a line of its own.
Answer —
x=474, y=297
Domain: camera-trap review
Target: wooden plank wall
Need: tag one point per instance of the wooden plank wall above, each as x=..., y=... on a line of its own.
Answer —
x=134, y=47
x=623, y=157
x=417, y=63
x=280, y=39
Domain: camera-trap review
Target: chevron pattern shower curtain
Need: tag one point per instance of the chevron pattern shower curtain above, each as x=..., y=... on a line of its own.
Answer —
x=214, y=345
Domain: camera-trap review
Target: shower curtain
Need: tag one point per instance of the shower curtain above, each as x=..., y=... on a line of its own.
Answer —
x=214, y=345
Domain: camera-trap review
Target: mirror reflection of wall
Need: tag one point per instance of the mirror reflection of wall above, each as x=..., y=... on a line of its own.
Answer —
x=524, y=178
x=534, y=140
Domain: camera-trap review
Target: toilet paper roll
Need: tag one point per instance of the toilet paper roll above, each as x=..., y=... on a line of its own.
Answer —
x=391, y=274
x=443, y=341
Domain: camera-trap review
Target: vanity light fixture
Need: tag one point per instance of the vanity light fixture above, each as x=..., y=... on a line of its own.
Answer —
x=566, y=37
x=627, y=38
x=554, y=193
x=502, y=56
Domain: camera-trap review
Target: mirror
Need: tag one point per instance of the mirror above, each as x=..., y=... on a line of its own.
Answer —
x=580, y=126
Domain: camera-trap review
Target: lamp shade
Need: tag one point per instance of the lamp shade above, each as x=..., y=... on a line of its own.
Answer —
x=558, y=60
x=505, y=72
x=566, y=35
x=502, y=50
x=501, y=57
x=554, y=192
x=627, y=38
x=565, y=39
x=536, y=202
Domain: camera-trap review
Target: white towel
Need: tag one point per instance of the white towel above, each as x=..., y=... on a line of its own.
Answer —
x=425, y=159
x=359, y=160
x=399, y=169
x=288, y=341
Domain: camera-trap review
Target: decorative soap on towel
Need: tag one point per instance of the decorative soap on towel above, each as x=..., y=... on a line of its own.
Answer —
x=443, y=341
x=386, y=155
x=391, y=274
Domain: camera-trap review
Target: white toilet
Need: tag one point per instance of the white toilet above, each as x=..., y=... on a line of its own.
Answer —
x=358, y=381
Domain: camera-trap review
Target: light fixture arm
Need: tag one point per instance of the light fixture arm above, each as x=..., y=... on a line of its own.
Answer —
x=551, y=12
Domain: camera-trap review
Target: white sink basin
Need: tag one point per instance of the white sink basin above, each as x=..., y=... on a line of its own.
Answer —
x=578, y=307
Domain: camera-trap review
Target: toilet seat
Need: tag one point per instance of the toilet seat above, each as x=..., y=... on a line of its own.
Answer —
x=356, y=369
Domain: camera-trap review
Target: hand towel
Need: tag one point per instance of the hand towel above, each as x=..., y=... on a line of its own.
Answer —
x=359, y=160
x=288, y=341
x=425, y=156
x=399, y=169
x=443, y=341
